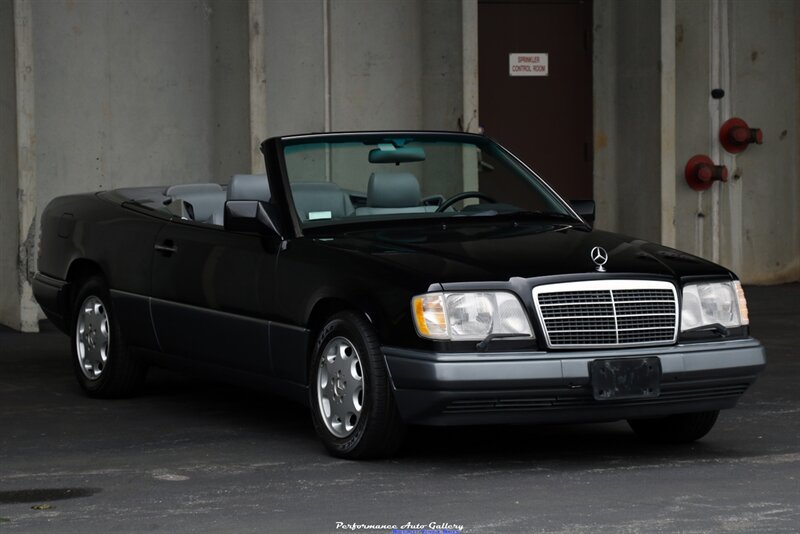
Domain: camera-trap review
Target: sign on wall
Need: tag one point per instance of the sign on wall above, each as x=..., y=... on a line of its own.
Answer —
x=520, y=64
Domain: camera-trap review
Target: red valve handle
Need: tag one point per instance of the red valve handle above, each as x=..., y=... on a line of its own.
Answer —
x=746, y=136
x=700, y=172
x=709, y=173
x=735, y=135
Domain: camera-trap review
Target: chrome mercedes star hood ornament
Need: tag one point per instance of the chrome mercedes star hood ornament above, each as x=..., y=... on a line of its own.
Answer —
x=599, y=257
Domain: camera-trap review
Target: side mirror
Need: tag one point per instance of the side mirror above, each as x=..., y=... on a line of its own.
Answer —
x=584, y=208
x=252, y=216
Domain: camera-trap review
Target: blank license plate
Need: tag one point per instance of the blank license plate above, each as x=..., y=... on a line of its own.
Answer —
x=626, y=379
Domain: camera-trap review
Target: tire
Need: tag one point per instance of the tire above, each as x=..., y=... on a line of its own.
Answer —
x=104, y=366
x=681, y=428
x=350, y=393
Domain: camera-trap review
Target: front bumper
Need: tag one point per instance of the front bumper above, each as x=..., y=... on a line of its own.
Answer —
x=536, y=387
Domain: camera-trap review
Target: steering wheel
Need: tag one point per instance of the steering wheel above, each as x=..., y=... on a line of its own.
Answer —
x=461, y=196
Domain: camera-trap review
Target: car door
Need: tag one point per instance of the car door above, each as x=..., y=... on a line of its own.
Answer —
x=212, y=290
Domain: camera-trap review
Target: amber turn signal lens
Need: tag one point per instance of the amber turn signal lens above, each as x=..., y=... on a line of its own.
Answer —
x=429, y=316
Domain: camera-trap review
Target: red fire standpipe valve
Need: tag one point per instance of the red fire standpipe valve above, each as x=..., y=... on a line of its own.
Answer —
x=735, y=135
x=701, y=172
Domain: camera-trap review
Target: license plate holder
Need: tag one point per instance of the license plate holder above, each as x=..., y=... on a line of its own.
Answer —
x=628, y=378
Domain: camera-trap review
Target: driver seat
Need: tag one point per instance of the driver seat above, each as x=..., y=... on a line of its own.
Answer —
x=393, y=193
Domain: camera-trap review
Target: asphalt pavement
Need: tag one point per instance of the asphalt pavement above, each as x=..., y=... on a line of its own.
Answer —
x=190, y=455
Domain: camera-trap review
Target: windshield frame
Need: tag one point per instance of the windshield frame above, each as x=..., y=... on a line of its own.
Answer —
x=274, y=152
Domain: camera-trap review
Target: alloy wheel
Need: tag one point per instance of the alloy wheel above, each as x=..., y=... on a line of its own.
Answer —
x=340, y=387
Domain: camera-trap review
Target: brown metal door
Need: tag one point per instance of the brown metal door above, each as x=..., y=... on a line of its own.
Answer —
x=545, y=120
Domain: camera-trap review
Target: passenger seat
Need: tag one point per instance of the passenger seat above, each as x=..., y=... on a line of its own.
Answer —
x=320, y=200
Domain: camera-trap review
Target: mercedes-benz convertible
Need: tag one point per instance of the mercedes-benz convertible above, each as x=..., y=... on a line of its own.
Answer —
x=396, y=278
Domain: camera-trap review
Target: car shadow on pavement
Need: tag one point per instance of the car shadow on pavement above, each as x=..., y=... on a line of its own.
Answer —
x=595, y=445
x=580, y=446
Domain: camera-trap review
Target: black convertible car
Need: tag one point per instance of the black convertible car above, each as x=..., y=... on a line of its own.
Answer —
x=393, y=278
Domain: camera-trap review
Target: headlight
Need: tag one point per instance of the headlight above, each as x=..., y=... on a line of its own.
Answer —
x=713, y=303
x=469, y=315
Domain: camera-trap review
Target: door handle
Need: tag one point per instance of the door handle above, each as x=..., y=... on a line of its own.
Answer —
x=167, y=248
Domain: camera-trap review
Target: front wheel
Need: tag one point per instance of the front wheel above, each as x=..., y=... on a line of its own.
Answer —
x=680, y=428
x=350, y=394
x=104, y=365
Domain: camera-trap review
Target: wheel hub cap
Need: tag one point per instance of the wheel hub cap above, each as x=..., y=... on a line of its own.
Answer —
x=340, y=387
x=92, y=337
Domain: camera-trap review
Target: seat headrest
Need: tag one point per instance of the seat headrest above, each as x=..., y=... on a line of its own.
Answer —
x=393, y=190
x=182, y=190
x=249, y=187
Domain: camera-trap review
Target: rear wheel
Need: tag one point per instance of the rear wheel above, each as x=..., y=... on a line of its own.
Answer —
x=104, y=365
x=351, y=399
x=680, y=428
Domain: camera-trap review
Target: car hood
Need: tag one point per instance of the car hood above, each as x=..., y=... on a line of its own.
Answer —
x=501, y=251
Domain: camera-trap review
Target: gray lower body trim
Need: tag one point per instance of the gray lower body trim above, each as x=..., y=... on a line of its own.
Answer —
x=213, y=336
x=438, y=388
x=52, y=295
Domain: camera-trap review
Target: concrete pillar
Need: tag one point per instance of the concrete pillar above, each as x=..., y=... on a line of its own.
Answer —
x=629, y=94
x=299, y=64
x=469, y=80
x=230, y=89
x=604, y=50
x=9, y=211
x=258, y=84
x=26, y=165
x=326, y=47
x=668, y=133
x=719, y=109
x=469, y=65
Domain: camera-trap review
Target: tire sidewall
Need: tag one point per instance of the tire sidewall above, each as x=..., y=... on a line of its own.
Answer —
x=346, y=325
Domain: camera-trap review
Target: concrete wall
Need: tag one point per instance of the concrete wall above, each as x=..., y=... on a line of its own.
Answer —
x=750, y=50
x=376, y=71
x=145, y=92
x=9, y=215
x=761, y=221
x=123, y=94
x=390, y=64
x=137, y=92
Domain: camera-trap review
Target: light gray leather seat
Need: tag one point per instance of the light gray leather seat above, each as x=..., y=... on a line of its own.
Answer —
x=393, y=193
x=207, y=201
x=320, y=200
x=249, y=187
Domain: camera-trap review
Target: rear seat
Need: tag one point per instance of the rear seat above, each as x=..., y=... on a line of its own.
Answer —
x=207, y=201
x=320, y=200
x=313, y=200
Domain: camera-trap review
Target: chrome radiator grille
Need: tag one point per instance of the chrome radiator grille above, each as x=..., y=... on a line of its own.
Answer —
x=607, y=313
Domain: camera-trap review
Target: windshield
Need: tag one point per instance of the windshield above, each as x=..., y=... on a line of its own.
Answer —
x=341, y=180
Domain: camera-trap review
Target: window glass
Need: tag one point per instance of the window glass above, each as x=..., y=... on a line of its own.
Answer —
x=404, y=177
